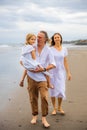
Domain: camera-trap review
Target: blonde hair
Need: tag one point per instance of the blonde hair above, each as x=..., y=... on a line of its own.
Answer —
x=28, y=37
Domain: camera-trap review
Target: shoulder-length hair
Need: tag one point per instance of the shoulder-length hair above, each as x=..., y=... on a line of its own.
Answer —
x=52, y=39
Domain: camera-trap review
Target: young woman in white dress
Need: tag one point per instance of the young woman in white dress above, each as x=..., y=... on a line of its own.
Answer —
x=59, y=73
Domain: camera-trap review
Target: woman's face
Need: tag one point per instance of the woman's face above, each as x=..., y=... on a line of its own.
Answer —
x=57, y=38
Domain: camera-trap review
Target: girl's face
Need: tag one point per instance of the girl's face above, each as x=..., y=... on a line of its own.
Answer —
x=32, y=40
x=57, y=38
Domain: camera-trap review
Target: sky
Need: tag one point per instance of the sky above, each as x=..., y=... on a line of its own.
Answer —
x=20, y=17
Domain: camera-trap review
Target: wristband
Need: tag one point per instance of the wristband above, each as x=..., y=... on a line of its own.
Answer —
x=44, y=69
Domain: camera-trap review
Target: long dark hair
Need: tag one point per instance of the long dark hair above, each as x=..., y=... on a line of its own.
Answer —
x=52, y=39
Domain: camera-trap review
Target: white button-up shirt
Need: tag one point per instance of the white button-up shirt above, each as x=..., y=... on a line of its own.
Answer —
x=44, y=58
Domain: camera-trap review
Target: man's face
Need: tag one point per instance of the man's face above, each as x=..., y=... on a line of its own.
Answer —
x=41, y=38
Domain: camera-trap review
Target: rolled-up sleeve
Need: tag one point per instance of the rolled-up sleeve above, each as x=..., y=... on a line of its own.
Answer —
x=51, y=58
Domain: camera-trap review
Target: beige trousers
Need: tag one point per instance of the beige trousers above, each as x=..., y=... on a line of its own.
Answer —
x=34, y=88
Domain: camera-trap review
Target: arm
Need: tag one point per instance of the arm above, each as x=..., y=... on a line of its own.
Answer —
x=41, y=69
x=67, y=68
x=50, y=66
x=49, y=59
x=51, y=62
x=33, y=55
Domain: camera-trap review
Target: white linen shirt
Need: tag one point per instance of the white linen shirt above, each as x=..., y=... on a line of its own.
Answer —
x=44, y=58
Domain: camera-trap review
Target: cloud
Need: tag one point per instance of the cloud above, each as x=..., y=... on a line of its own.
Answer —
x=19, y=17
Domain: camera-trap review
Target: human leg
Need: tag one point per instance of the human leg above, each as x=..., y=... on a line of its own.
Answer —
x=53, y=99
x=33, y=94
x=44, y=102
x=22, y=79
x=49, y=82
x=60, y=105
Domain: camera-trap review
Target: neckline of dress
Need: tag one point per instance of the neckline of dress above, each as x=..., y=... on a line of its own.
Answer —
x=58, y=49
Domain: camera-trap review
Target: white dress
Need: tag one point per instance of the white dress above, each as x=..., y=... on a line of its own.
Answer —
x=28, y=62
x=58, y=74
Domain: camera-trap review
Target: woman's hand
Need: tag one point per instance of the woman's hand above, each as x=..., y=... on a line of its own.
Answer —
x=69, y=76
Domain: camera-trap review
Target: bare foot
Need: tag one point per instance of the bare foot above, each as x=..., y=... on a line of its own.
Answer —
x=54, y=112
x=45, y=123
x=34, y=120
x=61, y=111
x=21, y=83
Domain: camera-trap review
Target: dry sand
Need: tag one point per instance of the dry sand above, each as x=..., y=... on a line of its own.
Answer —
x=16, y=114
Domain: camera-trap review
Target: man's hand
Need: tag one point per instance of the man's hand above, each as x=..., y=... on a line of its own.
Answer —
x=37, y=70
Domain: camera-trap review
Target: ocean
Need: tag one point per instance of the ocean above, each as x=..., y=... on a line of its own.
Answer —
x=10, y=71
x=19, y=45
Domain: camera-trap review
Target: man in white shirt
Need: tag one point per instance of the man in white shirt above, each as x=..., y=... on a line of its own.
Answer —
x=37, y=80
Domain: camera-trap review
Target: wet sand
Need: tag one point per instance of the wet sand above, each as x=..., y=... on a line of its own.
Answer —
x=15, y=110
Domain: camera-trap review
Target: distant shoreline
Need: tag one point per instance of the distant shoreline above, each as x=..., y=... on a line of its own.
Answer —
x=76, y=42
x=72, y=42
x=19, y=46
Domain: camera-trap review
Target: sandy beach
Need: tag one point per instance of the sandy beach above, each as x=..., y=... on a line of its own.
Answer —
x=15, y=110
